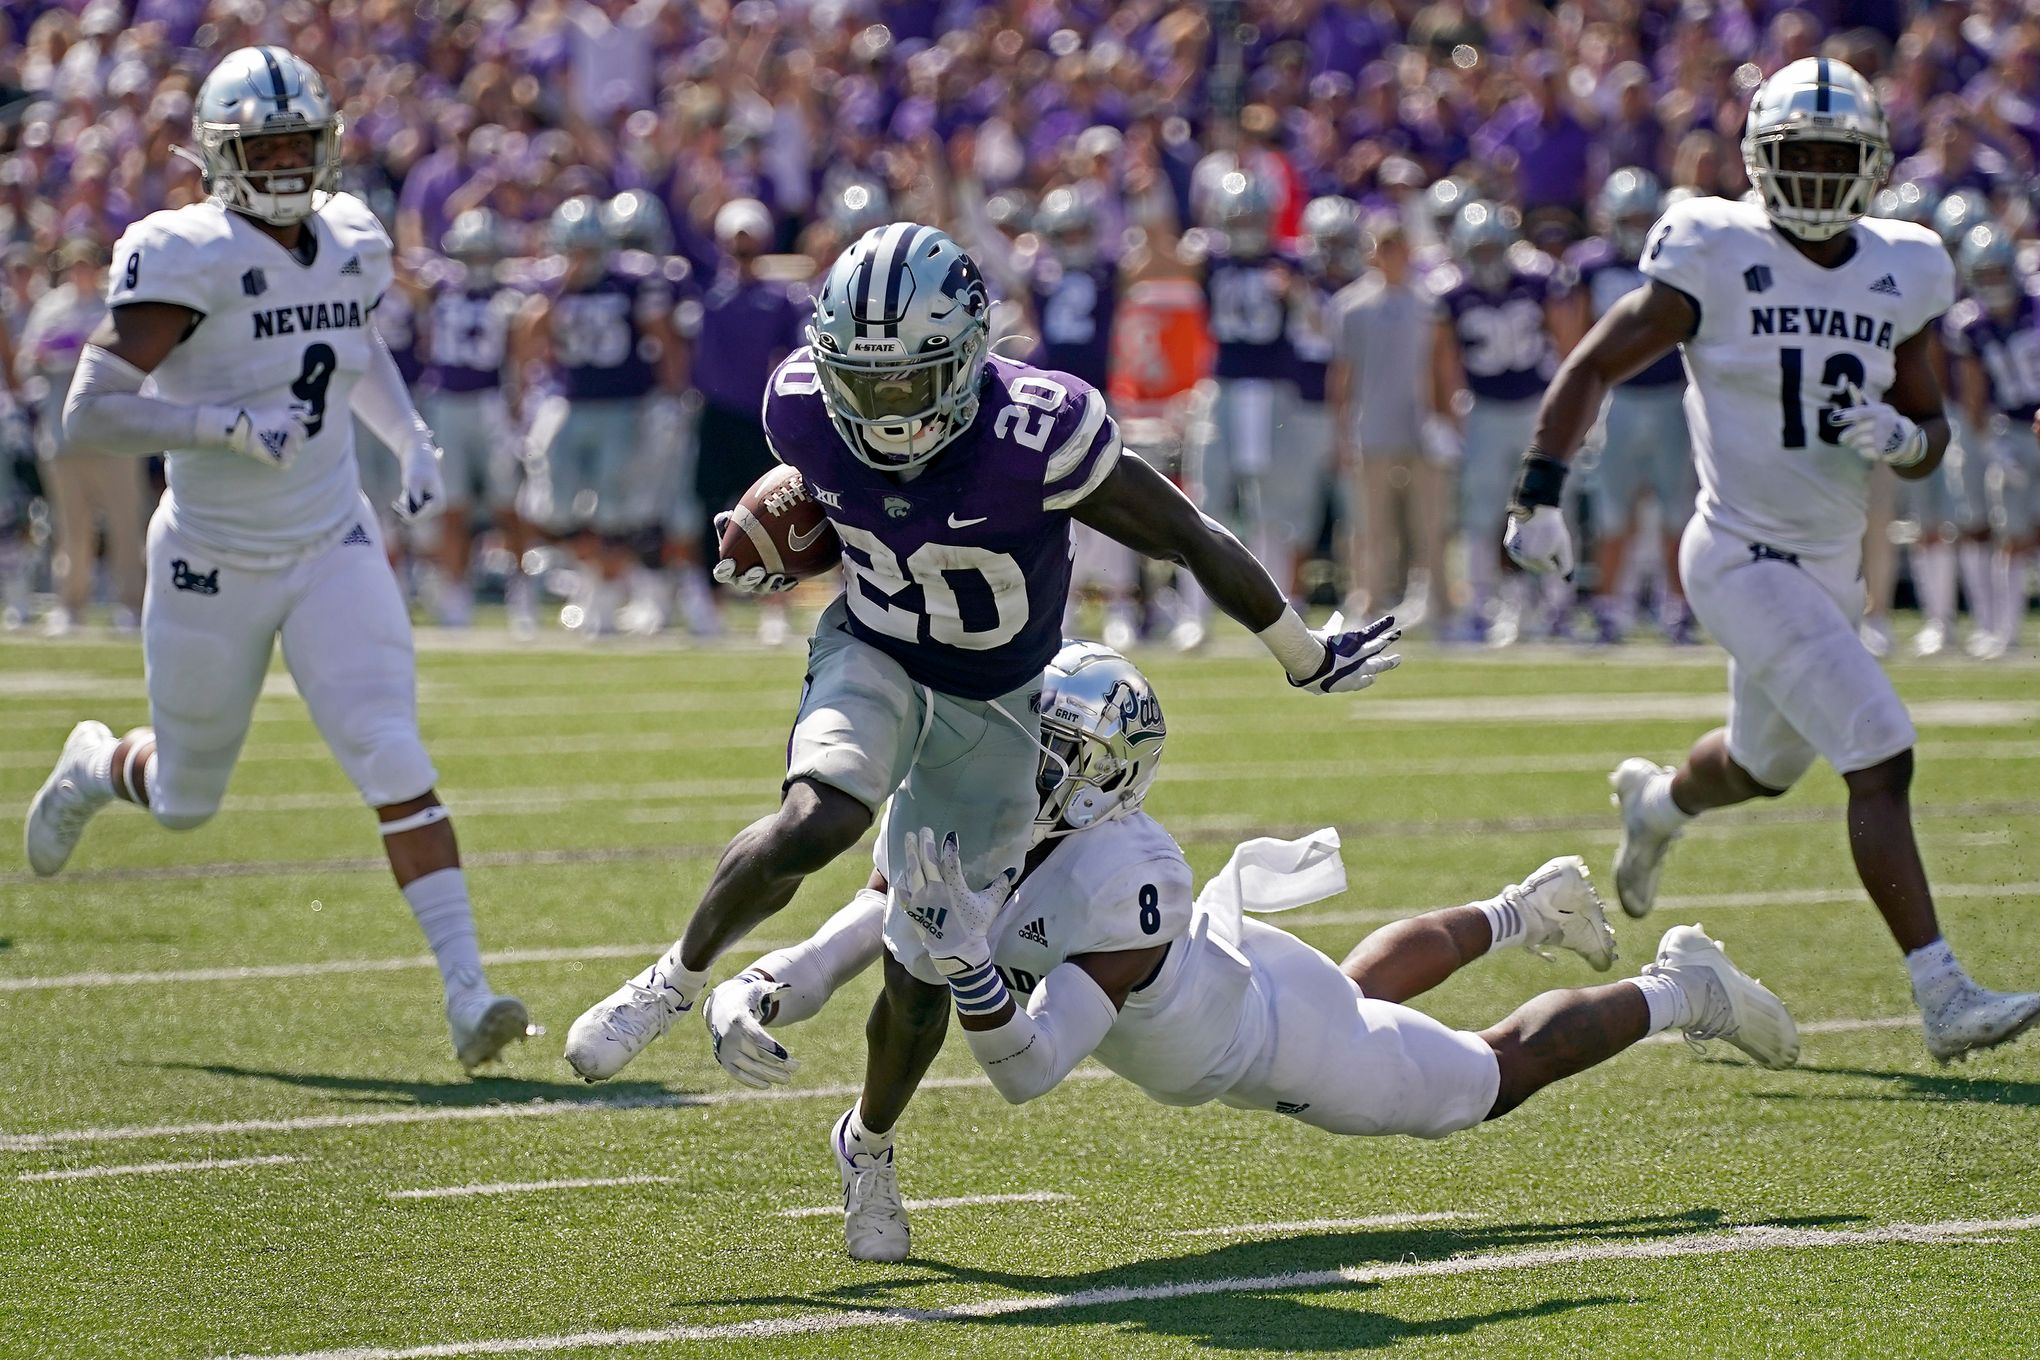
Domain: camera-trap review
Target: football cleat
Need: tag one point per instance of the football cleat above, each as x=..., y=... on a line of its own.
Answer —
x=1640, y=857
x=66, y=801
x=484, y=1027
x=620, y=1026
x=1727, y=1002
x=1961, y=1017
x=1560, y=908
x=1931, y=640
x=874, y=1219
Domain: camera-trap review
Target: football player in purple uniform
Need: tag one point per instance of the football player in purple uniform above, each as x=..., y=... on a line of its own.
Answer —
x=952, y=478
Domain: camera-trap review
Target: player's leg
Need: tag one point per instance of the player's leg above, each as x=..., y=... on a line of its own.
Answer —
x=904, y=1033
x=1933, y=561
x=1882, y=526
x=1555, y=907
x=464, y=454
x=1618, y=489
x=1428, y=516
x=347, y=642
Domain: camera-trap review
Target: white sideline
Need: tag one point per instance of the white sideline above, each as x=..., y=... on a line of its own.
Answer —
x=86, y=1173
x=540, y=1109
x=947, y=1201
x=1324, y=1224
x=530, y=1187
x=1755, y=1238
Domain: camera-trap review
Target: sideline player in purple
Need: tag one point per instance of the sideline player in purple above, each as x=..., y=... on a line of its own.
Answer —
x=952, y=478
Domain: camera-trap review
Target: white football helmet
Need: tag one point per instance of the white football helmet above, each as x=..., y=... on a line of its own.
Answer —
x=1816, y=101
x=900, y=336
x=1101, y=736
x=258, y=92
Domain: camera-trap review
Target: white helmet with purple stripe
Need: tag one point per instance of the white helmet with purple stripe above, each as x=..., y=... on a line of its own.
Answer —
x=900, y=335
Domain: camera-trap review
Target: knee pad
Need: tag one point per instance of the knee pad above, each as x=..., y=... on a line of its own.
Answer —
x=390, y=768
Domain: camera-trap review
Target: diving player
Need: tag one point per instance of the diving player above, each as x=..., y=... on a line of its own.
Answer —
x=1100, y=950
x=1809, y=334
x=252, y=313
x=951, y=477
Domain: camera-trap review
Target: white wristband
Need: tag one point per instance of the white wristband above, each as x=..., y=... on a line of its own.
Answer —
x=1292, y=643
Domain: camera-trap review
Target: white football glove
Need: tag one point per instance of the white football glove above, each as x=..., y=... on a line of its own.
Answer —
x=1878, y=432
x=954, y=919
x=736, y=1012
x=756, y=581
x=424, y=490
x=1539, y=542
x=1442, y=441
x=1353, y=656
x=272, y=437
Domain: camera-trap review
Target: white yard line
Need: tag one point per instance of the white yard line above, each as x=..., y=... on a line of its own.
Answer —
x=532, y=1187
x=86, y=1173
x=1302, y=1225
x=1752, y=1239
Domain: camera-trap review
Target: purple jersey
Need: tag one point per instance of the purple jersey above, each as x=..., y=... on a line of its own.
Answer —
x=601, y=342
x=1607, y=277
x=1249, y=319
x=1310, y=336
x=1075, y=308
x=1503, y=342
x=747, y=327
x=961, y=573
x=2009, y=351
x=467, y=336
x=396, y=321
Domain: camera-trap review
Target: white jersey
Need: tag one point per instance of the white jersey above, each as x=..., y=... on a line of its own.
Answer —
x=1782, y=342
x=274, y=332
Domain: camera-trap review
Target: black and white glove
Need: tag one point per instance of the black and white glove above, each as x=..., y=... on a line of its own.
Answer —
x=1353, y=656
x=1535, y=537
x=1881, y=433
x=757, y=580
x=272, y=436
x=736, y=1012
x=424, y=490
x=954, y=919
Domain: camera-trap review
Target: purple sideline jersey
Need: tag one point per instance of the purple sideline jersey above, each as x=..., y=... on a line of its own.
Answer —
x=600, y=343
x=1310, y=336
x=2009, y=351
x=1503, y=343
x=747, y=327
x=1249, y=320
x=467, y=335
x=1075, y=309
x=1607, y=277
x=959, y=574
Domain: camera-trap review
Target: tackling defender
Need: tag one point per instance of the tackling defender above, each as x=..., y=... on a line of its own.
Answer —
x=252, y=313
x=952, y=478
x=1100, y=950
x=1809, y=336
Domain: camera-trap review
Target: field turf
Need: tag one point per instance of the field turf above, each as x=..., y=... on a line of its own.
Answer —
x=224, y=1066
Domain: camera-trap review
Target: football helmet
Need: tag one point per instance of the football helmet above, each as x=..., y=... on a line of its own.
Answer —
x=1334, y=243
x=1989, y=260
x=1238, y=208
x=1816, y=102
x=259, y=92
x=1101, y=737
x=576, y=227
x=1481, y=237
x=1067, y=223
x=634, y=220
x=1957, y=213
x=1629, y=205
x=475, y=239
x=900, y=336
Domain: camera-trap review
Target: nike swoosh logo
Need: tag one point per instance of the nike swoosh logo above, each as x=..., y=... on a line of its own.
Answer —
x=795, y=541
x=956, y=523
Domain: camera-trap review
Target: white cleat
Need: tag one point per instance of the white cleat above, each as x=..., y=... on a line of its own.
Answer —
x=485, y=1027
x=1727, y=1002
x=1931, y=640
x=874, y=1219
x=1560, y=908
x=621, y=1025
x=1640, y=857
x=1964, y=1017
x=66, y=801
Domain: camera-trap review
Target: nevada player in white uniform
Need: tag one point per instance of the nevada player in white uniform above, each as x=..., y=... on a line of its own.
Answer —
x=1101, y=951
x=1808, y=338
x=251, y=314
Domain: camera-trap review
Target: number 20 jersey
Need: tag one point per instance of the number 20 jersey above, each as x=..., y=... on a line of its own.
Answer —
x=959, y=573
x=274, y=332
x=1782, y=343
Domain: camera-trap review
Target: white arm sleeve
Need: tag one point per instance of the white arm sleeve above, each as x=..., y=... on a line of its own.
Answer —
x=848, y=943
x=104, y=412
x=384, y=403
x=1064, y=1021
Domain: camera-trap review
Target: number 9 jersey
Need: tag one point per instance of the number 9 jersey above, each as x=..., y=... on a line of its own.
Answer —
x=274, y=331
x=1782, y=343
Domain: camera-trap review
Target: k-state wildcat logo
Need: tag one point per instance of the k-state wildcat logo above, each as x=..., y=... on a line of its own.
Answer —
x=197, y=582
x=898, y=507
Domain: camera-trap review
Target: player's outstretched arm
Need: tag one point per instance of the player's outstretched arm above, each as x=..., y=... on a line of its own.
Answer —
x=1139, y=507
x=384, y=404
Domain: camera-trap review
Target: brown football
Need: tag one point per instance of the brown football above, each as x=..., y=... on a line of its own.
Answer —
x=779, y=526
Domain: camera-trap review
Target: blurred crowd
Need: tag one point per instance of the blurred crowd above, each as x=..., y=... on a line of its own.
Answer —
x=1108, y=162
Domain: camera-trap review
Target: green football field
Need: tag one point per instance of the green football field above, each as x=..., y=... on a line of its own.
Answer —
x=230, y=1123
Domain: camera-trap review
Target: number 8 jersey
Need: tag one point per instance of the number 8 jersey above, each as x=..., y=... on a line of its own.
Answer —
x=274, y=331
x=1783, y=343
x=959, y=574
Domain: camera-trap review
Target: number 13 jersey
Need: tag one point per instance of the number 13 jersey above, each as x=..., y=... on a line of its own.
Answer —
x=1782, y=343
x=273, y=332
x=959, y=574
